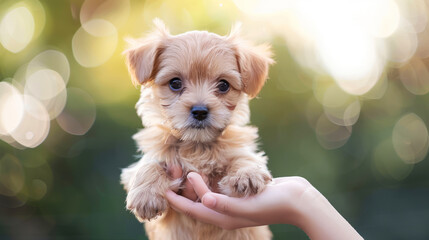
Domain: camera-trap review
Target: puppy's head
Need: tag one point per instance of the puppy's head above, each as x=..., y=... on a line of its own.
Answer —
x=197, y=80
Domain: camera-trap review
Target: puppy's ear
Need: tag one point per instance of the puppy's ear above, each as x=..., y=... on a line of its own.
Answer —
x=253, y=62
x=141, y=54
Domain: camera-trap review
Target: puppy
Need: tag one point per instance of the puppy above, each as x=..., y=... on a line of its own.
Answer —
x=194, y=106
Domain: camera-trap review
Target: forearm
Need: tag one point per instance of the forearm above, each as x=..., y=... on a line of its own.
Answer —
x=320, y=220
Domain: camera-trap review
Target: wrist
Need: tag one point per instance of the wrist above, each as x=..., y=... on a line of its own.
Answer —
x=298, y=197
x=308, y=206
x=309, y=209
x=320, y=220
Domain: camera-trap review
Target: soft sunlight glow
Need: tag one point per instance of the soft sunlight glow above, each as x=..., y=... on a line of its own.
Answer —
x=382, y=17
x=261, y=6
x=351, y=59
x=346, y=49
x=16, y=29
x=415, y=12
x=402, y=44
x=350, y=40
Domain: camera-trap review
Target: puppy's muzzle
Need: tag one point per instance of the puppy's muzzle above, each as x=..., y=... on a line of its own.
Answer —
x=199, y=112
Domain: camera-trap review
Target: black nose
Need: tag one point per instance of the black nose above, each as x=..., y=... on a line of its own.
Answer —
x=199, y=112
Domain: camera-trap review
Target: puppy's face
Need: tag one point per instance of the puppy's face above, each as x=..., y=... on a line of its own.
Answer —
x=197, y=78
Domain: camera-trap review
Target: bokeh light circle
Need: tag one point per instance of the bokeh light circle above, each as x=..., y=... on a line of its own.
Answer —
x=415, y=12
x=12, y=176
x=346, y=115
x=50, y=59
x=79, y=113
x=382, y=17
x=351, y=58
x=11, y=108
x=330, y=135
x=34, y=126
x=91, y=49
x=44, y=84
x=339, y=107
x=49, y=88
x=56, y=105
x=378, y=91
x=16, y=29
x=388, y=164
x=37, y=189
x=402, y=44
x=410, y=138
x=415, y=77
x=116, y=12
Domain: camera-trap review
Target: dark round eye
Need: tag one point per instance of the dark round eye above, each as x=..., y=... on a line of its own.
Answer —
x=223, y=86
x=175, y=84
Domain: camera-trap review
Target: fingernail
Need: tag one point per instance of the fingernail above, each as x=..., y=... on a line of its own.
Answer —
x=209, y=200
x=189, y=177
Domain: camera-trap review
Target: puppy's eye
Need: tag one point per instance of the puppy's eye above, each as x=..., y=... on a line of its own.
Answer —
x=175, y=84
x=223, y=86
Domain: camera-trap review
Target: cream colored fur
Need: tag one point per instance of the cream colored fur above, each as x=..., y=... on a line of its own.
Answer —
x=224, y=150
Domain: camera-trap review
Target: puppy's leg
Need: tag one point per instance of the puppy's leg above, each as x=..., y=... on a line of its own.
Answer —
x=146, y=182
x=246, y=176
x=127, y=175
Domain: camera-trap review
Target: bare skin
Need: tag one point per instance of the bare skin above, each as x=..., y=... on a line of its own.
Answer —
x=287, y=200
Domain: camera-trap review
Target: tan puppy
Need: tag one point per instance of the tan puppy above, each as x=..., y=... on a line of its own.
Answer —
x=194, y=106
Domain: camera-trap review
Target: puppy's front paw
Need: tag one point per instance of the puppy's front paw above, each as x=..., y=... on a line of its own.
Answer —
x=146, y=205
x=245, y=182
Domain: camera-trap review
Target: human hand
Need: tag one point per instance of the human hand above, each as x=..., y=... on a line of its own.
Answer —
x=274, y=205
x=288, y=200
x=175, y=172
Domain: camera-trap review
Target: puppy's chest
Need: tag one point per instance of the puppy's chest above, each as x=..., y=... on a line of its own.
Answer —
x=203, y=158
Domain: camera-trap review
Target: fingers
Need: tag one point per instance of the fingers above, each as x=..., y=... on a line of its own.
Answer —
x=238, y=207
x=175, y=172
x=198, y=184
x=200, y=212
x=218, y=202
x=222, y=205
x=189, y=192
x=193, y=209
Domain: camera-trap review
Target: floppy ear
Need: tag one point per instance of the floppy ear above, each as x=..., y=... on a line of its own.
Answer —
x=141, y=54
x=253, y=62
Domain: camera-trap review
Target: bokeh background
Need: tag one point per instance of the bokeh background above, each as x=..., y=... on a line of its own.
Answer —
x=346, y=107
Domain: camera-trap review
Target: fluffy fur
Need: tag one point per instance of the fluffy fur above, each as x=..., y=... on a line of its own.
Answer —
x=222, y=147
